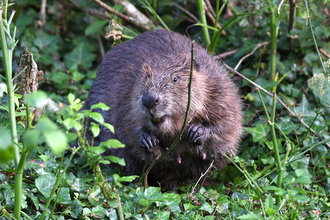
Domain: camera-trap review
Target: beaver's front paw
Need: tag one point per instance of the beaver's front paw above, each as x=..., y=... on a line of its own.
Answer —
x=196, y=134
x=149, y=141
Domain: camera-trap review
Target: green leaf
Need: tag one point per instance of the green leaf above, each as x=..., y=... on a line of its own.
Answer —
x=280, y=191
x=75, y=209
x=45, y=184
x=266, y=84
x=95, y=27
x=117, y=160
x=95, y=129
x=100, y=105
x=303, y=180
x=127, y=178
x=45, y=124
x=64, y=196
x=79, y=57
x=112, y=144
x=97, y=117
x=251, y=216
x=207, y=207
x=57, y=141
x=269, y=205
x=37, y=99
x=30, y=139
x=7, y=150
x=259, y=133
x=72, y=123
x=109, y=126
x=287, y=127
x=97, y=150
x=71, y=98
x=163, y=215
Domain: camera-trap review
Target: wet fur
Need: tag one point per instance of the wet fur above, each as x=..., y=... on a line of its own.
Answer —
x=148, y=63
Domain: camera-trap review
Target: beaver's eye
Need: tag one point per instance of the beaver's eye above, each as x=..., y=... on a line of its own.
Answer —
x=175, y=79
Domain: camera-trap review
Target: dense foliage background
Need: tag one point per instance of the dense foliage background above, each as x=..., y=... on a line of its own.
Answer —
x=73, y=32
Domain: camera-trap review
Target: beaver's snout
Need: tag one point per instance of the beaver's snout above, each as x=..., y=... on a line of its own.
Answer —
x=150, y=100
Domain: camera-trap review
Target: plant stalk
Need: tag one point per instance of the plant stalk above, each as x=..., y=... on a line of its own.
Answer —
x=202, y=18
x=273, y=38
x=277, y=153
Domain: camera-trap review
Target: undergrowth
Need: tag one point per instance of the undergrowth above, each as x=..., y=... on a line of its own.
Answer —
x=282, y=170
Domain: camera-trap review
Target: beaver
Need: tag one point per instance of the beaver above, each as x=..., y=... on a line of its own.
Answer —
x=145, y=83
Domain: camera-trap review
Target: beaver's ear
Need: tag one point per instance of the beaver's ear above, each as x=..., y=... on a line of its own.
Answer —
x=146, y=69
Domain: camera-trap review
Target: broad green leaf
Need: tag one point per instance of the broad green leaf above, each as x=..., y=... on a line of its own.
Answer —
x=97, y=117
x=259, y=133
x=303, y=180
x=45, y=124
x=57, y=140
x=163, y=215
x=64, y=196
x=72, y=123
x=97, y=150
x=266, y=84
x=303, y=108
x=95, y=27
x=30, y=139
x=286, y=128
x=207, y=207
x=79, y=57
x=45, y=184
x=95, y=129
x=7, y=150
x=277, y=189
x=75, y=209
x=100, y=105
x=37, y=99
x=99, y=211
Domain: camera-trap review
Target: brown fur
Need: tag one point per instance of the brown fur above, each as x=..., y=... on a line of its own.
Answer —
x=158, y=63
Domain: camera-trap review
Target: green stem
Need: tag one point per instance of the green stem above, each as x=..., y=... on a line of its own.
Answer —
x=18, y=186
x=202, y=18
x=273, y=39
x=8, y=70
x=277, y=153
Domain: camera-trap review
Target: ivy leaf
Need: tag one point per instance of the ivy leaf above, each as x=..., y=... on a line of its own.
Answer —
x=207, y=207
x=259, y=133
x=75, y=209
x=45, y=184
x=95, y=27
x=79, y=57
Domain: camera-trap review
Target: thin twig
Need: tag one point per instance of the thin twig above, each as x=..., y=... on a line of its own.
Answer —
x=186, y=11
x=202, y=175
x=126, y=18
x=66, y=70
